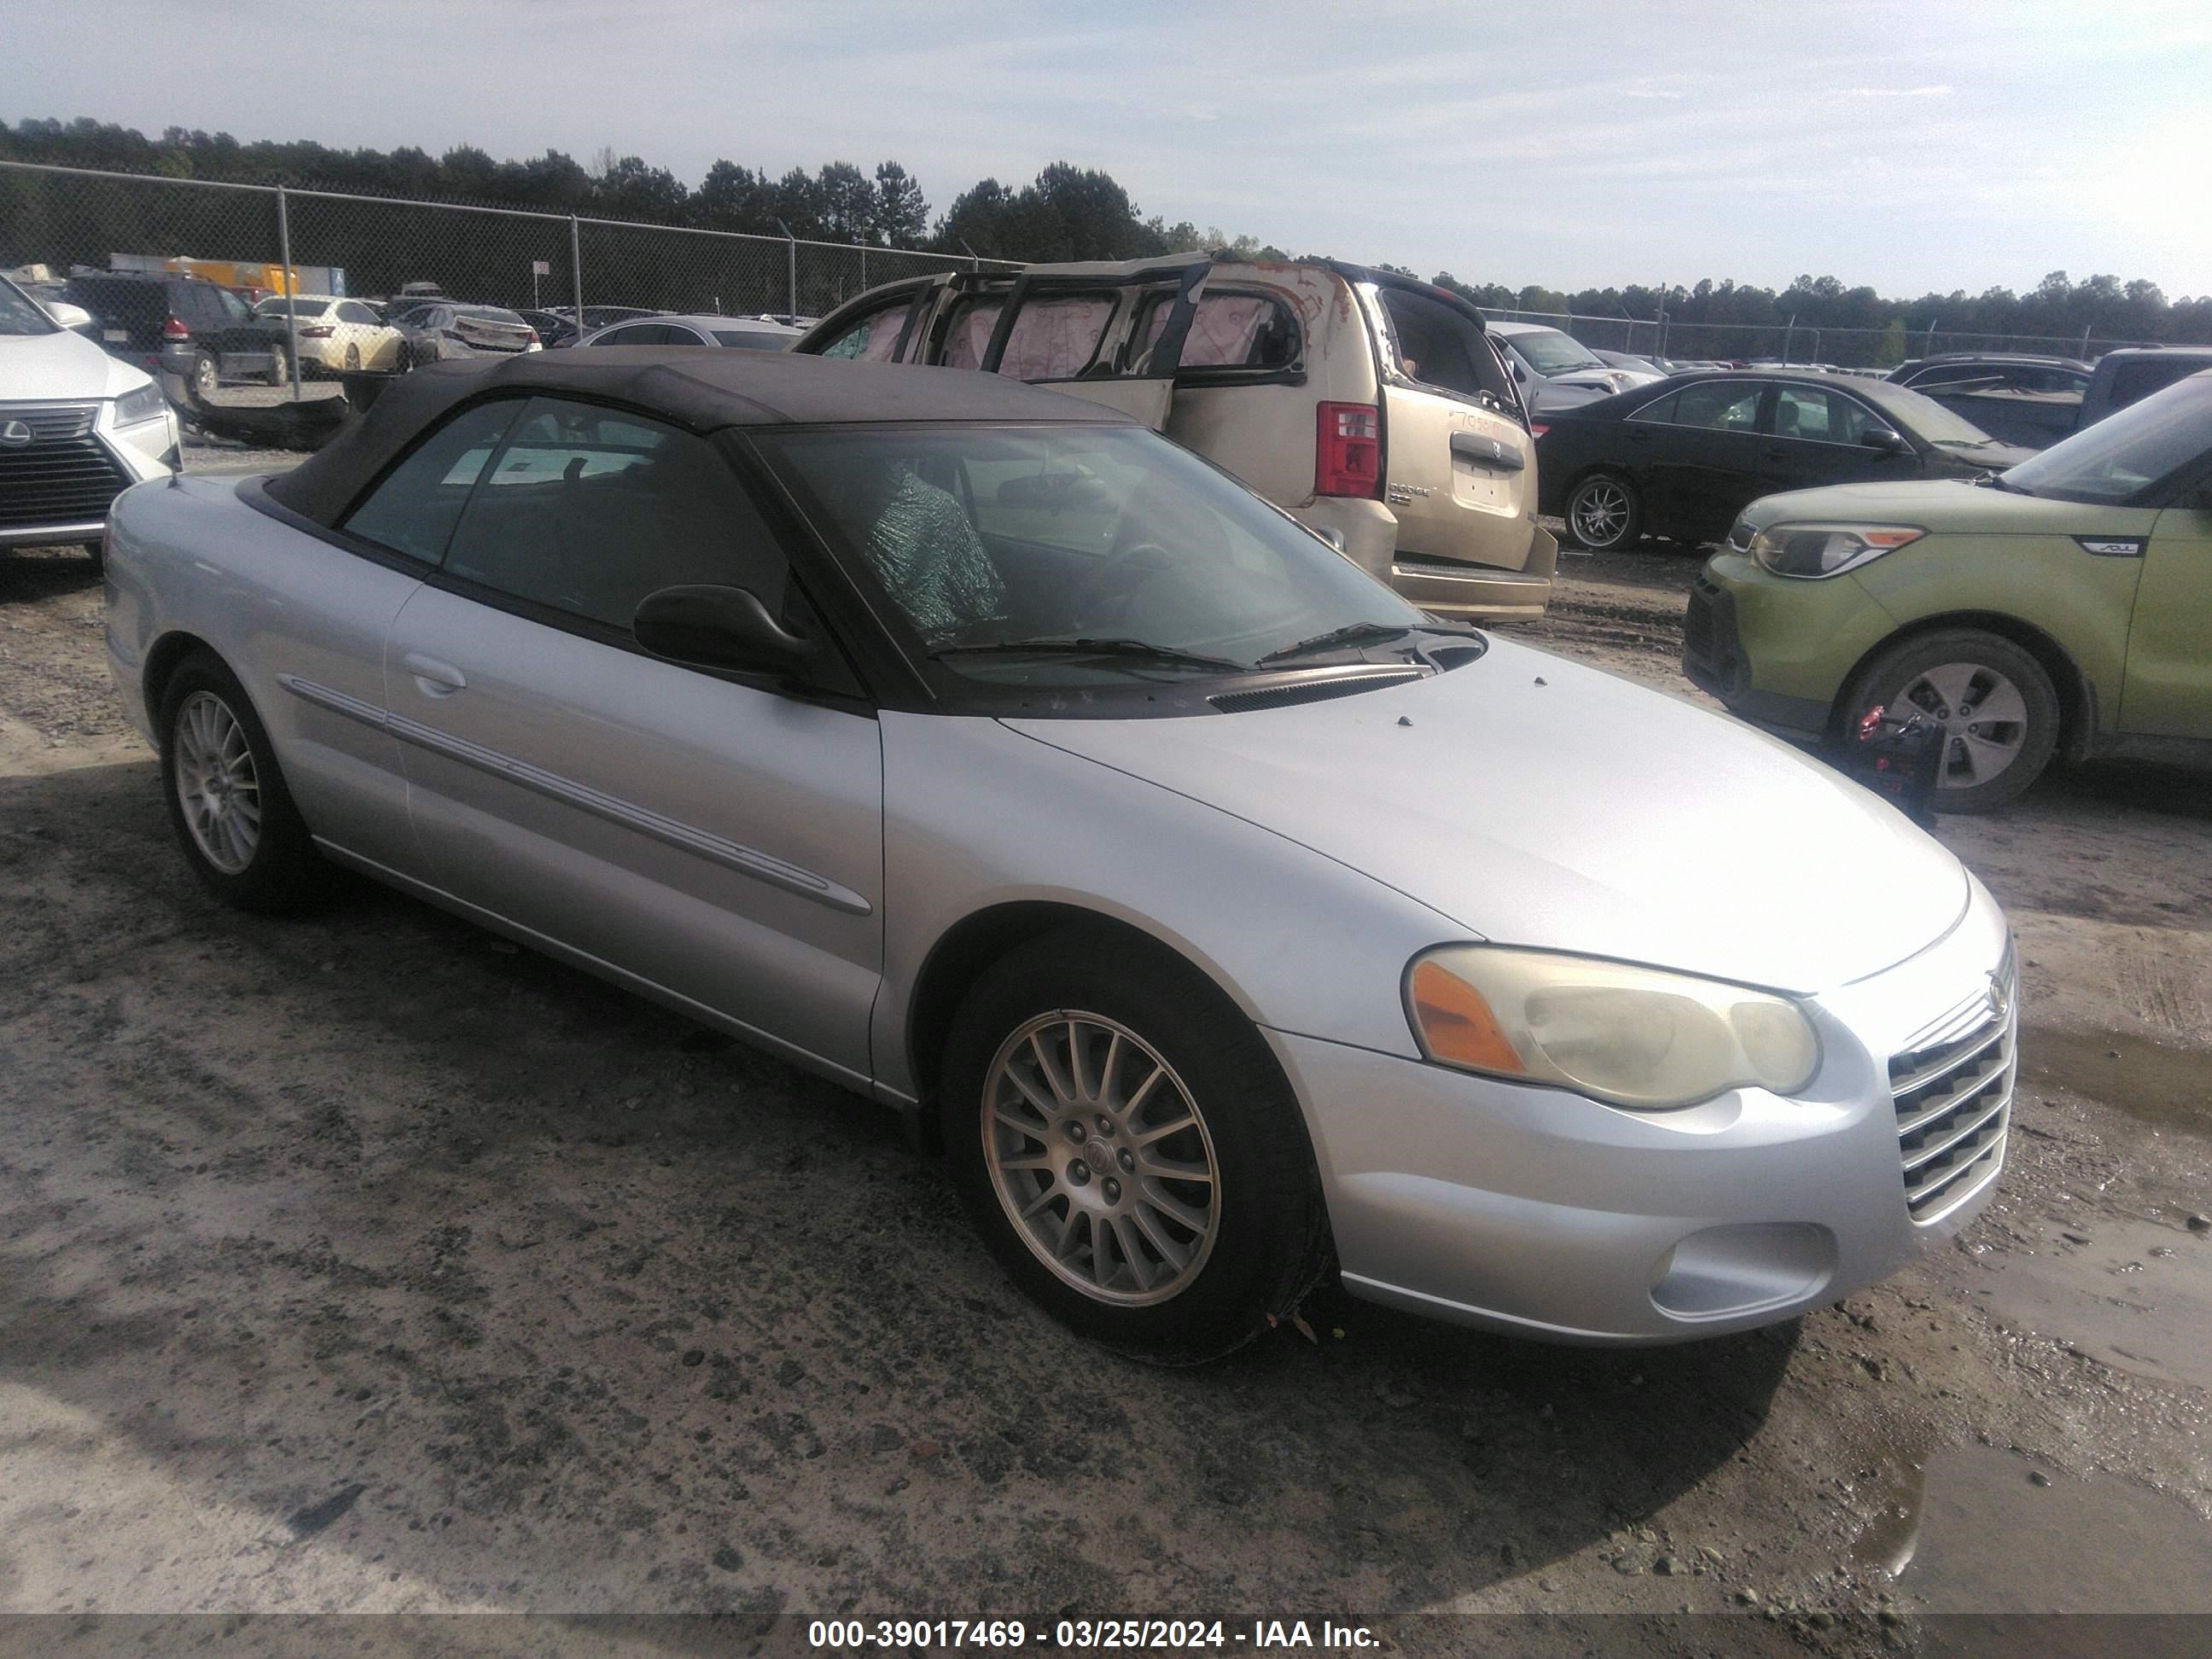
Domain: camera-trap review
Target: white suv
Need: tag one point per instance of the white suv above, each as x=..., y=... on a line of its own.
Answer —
x=77, y=427
x=1370, y=407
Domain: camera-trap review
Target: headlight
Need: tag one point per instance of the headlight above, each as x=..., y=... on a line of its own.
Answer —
x=1633, y=1036
x=1828, y=549
x=143, y=404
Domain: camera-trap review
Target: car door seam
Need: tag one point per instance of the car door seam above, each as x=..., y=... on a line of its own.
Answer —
x=687, y=838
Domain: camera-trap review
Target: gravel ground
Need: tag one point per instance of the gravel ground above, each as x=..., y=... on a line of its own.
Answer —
x=362, y=1262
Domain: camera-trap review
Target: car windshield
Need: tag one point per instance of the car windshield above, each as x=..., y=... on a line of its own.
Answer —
x=2124, y=454
x=1924, y=416
x=1081, y=555
x=1550, y=352
x=19, y=316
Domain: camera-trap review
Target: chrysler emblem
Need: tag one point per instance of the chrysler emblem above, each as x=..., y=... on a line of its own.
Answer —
x=16, y=434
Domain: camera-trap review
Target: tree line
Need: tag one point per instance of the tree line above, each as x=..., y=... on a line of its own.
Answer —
x=1066, y=212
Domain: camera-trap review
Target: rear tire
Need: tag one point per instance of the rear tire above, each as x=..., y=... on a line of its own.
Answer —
x=1062, y=1162
x=207, y=375
x=1604, y=513
x=233, y=816
x=1996, y=705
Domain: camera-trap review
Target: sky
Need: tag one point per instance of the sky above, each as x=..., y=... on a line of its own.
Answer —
x=1916, y=147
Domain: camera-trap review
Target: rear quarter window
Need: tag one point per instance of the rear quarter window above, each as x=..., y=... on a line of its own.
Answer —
x=1228, y=330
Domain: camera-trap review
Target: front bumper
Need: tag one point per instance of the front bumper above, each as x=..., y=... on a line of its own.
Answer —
x=57, y=488
x=1536, y=1211
x=1778, y=652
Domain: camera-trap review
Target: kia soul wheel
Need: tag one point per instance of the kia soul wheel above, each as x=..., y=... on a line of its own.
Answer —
x=1126, y=1144
x=1992, y=703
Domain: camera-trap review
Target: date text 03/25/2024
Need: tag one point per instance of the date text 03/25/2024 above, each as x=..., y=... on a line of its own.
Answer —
x=1259, y=1635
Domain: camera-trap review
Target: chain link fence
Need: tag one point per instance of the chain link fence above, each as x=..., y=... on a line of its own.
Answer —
x=1795, y=343
x=74, y=221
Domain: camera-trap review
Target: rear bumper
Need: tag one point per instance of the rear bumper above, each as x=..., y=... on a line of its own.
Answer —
x=1368, y=533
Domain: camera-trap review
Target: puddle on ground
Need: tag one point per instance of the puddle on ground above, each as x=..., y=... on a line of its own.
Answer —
x=1969, y=1531
x=2133, y=1295
x=2169, y=1086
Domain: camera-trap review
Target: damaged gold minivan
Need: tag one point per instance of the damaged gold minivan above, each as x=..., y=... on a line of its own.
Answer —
x=1371, y=407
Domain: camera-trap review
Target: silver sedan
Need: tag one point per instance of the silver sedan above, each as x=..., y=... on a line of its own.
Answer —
x=1228, y=920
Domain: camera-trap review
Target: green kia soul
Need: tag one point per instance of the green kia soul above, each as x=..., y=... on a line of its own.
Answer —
x=2062, y=608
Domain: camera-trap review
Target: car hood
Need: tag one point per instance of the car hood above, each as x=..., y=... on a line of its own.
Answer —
x=1941, y=506
x=40, y=367
x=1532, y=801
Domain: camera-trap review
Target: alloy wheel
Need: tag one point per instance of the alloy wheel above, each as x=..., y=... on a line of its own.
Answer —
x=217, y=783
x=205, y=378
x=1982, y=715
x=1101, y=1158
x=1600, y=512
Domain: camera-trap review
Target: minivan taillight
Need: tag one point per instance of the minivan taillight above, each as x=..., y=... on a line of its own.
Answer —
x=1538, y=430
x=1348, y=450
x=173, y=330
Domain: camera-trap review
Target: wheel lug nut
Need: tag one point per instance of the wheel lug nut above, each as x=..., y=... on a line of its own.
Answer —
x=1080, y=1173
x=1112, y=1188
x=1127, y=1159
x=1105, y=1124
x=1075, y=1130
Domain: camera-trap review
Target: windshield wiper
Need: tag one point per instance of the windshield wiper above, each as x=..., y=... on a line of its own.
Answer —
x=1358, y=633
x=1055, y=647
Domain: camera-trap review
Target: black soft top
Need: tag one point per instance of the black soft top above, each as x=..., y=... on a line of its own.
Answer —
x=698, y=389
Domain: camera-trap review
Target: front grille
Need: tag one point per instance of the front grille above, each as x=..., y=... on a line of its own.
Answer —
x=1283, y=696
x=1952, y=1089
x=63, y=474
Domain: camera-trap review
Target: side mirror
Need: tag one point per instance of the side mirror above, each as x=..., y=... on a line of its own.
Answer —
x=726, y=628
x=1887, y=439
x=68, y=316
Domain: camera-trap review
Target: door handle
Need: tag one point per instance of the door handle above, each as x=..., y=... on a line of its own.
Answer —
x=434, y=678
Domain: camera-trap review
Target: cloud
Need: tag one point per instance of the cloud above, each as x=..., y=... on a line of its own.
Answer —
x=1889, y=92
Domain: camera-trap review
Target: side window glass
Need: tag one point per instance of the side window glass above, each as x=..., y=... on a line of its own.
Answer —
x=1727, y=406
x=414, y=510
x=1055, y=340
x=1438, y=347
x=968, y=335
x=1802, y=412
x=874, y=338
x=1660, y=411
x=1849, y=420
x=233, y=309
x=588, y=510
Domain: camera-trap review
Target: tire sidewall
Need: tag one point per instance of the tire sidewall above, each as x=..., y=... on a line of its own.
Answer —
x=1266, y=1252
x=282, y=872
x=1631, y=529
x=1886, y=678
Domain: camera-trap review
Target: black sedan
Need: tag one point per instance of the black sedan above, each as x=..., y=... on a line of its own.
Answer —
x=1681, y=458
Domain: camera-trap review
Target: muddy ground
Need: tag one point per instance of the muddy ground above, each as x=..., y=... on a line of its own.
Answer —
x=362, y=1262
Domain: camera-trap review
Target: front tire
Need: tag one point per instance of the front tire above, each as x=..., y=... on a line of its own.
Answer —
x=1604, y=512
x=1995, y=704
x=228, y=803
x=1125, y=1142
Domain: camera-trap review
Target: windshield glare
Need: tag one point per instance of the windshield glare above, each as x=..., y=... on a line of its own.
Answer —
x=983, y=535
x=18, y=315
x=1550, y=352
x=2124, y=454
x=1922, y=415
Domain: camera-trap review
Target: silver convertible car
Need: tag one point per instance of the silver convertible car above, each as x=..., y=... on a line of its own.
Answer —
x=1231, y=920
